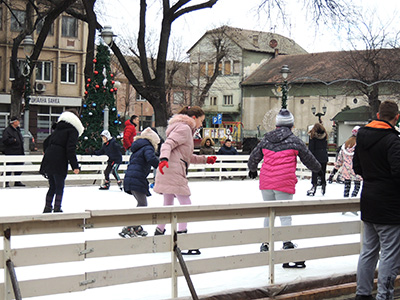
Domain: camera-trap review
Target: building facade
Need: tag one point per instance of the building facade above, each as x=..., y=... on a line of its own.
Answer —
x=57, y=81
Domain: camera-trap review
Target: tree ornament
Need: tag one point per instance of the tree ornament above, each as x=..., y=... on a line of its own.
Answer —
x=84, y=105
x=97, y=86
x=112, y=90
x=116, y=122
x=95, y=60
x=112, y=82
x=96, y=72
x=85, y=138
x=90, y=114
x=112, y=75
x=89, y=80
x=86, y=92
x=113, y=109
x=115, y=89
x=94, y=104
x=88, y=85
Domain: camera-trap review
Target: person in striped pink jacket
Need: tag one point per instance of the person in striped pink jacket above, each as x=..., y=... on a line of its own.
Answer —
x=279, y=150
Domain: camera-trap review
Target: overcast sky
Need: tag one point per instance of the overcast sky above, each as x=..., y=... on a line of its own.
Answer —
x=122, y=15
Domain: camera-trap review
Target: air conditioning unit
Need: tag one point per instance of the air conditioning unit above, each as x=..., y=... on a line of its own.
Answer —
x=40, y=87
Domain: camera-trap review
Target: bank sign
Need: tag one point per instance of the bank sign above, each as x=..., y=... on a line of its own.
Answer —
x=55, y=101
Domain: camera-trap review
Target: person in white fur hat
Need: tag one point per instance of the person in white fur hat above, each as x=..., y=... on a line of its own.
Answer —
x=143, y=157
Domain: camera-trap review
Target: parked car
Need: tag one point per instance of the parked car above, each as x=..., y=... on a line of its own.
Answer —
x=32, y=144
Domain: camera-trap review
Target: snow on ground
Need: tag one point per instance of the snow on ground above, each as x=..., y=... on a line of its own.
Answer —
x=27, y=201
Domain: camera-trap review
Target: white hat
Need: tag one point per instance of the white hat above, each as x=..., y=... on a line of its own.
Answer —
x=354, y=131
x=284, y=118
x=106, y=134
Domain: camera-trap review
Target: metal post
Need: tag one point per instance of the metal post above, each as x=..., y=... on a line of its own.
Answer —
x=141, y=117
x=26, y=131
x=284, y=94
x=106, y=117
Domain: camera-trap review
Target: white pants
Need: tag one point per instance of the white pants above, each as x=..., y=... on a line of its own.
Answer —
x=272, y=195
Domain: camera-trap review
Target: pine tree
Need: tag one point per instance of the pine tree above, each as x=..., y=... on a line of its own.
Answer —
x=99, y=93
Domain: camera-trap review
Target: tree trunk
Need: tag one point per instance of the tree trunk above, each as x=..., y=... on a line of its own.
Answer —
x=17, y=92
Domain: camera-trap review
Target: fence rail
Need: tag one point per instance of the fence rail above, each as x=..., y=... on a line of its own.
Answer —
x=83, y=223
x=92, y=168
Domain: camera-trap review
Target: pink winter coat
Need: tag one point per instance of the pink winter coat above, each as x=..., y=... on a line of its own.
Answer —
x=178, y=149
x=345, y=160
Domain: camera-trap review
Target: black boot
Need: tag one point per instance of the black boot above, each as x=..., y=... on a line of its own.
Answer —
x=311, y=192
x=47, y=209
x=105, y=186
x=323, y=187
x=57, y=209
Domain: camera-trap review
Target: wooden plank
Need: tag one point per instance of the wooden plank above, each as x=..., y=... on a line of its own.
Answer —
x=223, y=238
x=248, y=260
x=52, y=226
x=297, y=232
x=47, y=255
x=129, y=275
x=117, y=247
x=51, y=286
x=1, y=261
x=311, y=253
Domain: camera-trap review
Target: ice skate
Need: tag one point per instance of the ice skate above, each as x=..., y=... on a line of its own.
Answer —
x=294, y=265
x=264, y=247
x=159, y=231
x=105, y=186
x=132, y=231
x=120, y=184
x=192, y=252
x=311, y=192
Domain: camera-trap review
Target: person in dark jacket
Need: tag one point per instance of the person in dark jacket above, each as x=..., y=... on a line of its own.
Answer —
x=377, y=160
x=143, y=157
x=228, y=149
x=207, y=146
x=113, y=150
x=59, y=150
x=13, y=145
x=318, y=145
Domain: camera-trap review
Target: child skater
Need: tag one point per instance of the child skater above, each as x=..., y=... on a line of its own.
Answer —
x=175, y=157
x=113, y=150
x=143, y=157
x=345, y=160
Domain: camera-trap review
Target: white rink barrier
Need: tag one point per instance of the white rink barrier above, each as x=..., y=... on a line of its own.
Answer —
x=92, y=168
x=80, y=247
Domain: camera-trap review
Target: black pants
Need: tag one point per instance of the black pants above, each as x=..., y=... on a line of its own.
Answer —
x=112, y=167
x=56, y=188
x=14, y=164
x=321, y=174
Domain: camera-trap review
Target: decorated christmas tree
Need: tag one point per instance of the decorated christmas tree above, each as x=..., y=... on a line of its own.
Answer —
x=99, y=95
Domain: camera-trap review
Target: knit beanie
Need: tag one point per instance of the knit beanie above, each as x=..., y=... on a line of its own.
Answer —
x=106, y=134
x=13, y=119
x=284, y=118
x=354, y=131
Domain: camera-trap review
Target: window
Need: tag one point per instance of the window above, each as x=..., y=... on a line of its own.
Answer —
x=68, y=73
x=220, y=68
x=140, y=98
x=44, y=70
x=202, y=69
x=179, y=98
x=69, y=27
x=213, y=100
x=236, y=67
x=228, y=100
x=17, y=20
x=40, y=26
x=21, y=65
x=227, y=68
x=210, y=69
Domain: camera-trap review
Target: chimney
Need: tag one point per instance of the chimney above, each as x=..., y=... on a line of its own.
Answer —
x=255, y=40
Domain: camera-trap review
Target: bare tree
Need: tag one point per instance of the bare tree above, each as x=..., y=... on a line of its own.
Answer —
x=376, y=67
x=44, y=13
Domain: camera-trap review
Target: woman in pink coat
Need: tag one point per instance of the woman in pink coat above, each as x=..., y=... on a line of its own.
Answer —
x=175, y=157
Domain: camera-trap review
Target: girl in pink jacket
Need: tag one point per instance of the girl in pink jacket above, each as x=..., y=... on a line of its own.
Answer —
x=175, y=157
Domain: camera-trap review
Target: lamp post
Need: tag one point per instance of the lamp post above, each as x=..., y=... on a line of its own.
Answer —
x=28, y=45
x=319, y=114
x=107, y=35
x=285, y=72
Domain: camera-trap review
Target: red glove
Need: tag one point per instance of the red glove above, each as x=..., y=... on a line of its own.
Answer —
x=211, y=160
x=161, y=165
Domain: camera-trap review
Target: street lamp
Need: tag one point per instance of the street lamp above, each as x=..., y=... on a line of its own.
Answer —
x=107, y=35
x=319, y=115
x=28, y=45
x=285, y=72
